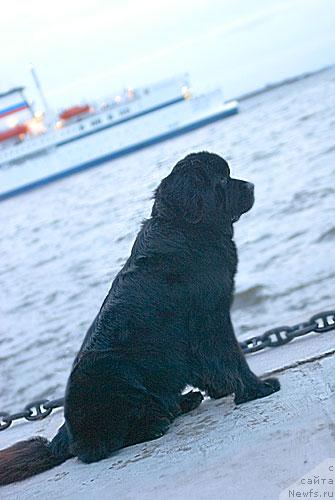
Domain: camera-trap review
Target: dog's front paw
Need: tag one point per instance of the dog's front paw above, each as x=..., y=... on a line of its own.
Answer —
x=264, y=388
x=190, y=401
x=268, y=387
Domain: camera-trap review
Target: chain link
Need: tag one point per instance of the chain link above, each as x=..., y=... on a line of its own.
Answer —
x=321, y=322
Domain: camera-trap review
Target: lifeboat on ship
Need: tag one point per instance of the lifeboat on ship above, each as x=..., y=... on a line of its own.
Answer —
x=74, y=112
x=19, y=131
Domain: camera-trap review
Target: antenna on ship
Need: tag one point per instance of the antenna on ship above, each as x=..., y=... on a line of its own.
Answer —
x=39, y=88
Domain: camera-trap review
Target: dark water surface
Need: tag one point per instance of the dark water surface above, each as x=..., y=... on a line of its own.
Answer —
x=62, y=245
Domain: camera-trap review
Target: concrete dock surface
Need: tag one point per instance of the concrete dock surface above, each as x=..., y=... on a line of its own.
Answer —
x=255, y=451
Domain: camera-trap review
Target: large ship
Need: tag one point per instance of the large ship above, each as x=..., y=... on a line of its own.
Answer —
x=38, y=148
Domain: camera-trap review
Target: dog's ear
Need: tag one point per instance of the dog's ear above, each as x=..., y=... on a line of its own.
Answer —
x=182, y=195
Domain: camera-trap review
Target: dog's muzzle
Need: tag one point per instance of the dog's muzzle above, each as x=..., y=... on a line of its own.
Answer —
x=242, y=198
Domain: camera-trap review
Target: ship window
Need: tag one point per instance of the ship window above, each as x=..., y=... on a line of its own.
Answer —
x=95, y=122
x=110, y=117
x=124, y=111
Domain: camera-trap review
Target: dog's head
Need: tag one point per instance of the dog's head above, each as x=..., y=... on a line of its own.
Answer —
x=200, y=190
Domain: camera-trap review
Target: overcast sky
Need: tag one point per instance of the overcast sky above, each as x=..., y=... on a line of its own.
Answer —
x=85, y=49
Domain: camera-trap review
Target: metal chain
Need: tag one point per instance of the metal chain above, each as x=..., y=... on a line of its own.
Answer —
x=37, y=410
x=321, y=322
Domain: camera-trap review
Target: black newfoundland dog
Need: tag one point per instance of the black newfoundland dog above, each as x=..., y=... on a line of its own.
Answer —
x=164, y=324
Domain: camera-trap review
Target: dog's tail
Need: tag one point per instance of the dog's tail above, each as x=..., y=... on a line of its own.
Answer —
x=28, y=458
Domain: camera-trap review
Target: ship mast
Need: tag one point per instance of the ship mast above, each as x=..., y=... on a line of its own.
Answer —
x=40, y=91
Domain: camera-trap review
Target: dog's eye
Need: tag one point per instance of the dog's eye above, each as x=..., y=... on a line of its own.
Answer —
x=223, y=182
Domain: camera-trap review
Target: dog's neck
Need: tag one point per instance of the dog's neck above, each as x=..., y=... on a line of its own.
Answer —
x=200, y=235
x=223, y=227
